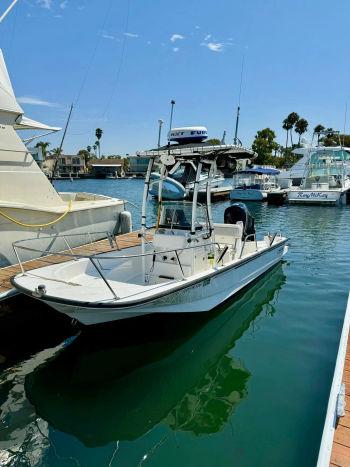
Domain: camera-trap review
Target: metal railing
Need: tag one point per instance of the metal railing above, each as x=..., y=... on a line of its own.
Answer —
x=96, y=259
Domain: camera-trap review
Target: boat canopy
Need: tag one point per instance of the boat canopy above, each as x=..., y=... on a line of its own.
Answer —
x=259, y=171
x=10, y=110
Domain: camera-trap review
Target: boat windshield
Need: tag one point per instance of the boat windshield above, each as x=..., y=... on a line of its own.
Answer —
x=178, y=215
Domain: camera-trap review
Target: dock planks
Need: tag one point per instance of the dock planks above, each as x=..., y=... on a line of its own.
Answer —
x=341, y=443
x=101, y=246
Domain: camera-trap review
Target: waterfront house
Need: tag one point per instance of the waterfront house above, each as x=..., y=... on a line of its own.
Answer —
x=102, y=168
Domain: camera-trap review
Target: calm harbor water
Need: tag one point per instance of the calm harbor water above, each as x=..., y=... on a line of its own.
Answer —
x=246, y=386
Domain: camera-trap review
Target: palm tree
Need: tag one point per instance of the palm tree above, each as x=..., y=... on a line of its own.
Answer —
x=98, y=134
x=94, y=147
x=293, y=117
x=301, y=127
x=43, y=145
x=287, y=126
x=56, y=152
x=317, y=131
x=88, y=148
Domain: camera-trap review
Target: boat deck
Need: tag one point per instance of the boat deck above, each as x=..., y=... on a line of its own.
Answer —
x=341, y=442
x=101, y=246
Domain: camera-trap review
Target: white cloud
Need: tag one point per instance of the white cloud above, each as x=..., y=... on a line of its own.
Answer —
x=197, y=27
x=36, y=101
x=176, y=37
x=207, y=37
x=130, y=34
x=63, y=4
x=176, y=49
x=44, y=3
x=107, y=36
x=214, y=46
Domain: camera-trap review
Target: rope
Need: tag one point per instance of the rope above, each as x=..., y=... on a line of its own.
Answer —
x=22, y=224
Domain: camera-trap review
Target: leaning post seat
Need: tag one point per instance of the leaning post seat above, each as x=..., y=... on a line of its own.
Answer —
x=238, y=212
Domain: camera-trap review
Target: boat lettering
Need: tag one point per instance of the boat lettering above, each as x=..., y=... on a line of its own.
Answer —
x=313, y=194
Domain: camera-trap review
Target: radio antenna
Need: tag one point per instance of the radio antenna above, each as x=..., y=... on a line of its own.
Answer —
x=236, y=139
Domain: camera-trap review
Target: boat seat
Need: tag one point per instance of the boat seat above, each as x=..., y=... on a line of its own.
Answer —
x=228, y=233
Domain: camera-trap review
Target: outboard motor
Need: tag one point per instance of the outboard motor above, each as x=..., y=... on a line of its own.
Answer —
x=238, y=212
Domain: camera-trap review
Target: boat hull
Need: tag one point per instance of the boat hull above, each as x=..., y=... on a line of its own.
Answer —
x=199, y=296
x=250, y=194
x=324, y=197
x=100, y=219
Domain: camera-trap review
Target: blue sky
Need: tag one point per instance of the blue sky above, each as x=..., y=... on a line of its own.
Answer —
x=122, y=61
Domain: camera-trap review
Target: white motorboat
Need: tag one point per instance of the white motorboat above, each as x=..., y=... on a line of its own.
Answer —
x=326, y=178
x=254, y=184
x=191, y=265
x=29, y=204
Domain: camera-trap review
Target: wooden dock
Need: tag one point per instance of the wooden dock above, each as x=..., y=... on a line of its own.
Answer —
x=340, y=456
x=101, y=246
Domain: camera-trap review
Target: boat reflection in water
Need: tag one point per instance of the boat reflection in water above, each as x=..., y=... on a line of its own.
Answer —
x=177, y=371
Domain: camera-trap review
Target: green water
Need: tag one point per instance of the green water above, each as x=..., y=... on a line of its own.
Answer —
x=246, y=386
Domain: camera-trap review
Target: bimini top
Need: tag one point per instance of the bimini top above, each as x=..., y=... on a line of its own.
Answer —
x=259, y=171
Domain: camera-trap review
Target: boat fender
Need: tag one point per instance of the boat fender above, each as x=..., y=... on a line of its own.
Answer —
x=125, y=222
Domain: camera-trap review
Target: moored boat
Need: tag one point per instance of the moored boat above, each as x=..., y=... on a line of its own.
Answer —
x=253, y=184
x=29, y=204
x=191, y=265
x=326, y=178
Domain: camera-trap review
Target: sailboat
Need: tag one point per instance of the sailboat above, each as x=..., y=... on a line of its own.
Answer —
x=191, y=264
x=29, y=204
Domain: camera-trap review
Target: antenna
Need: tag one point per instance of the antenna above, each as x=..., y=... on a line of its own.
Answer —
x=60, y=148
x=235, y=139
x=171, y=119
x=8, y=10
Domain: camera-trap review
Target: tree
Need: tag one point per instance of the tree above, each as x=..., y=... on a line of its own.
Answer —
x=88, y=148
x=214, y=141
x=56, y=152
x=43, y=145
x=264, y=144
x=98, y=134
x=292, y=118
x=331, y=138
x=317, y=131
x=287, y=125
x=94, y=147
x=301, y=127
x=85, y=154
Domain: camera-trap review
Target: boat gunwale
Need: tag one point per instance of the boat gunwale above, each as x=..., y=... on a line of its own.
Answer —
x=184, y=284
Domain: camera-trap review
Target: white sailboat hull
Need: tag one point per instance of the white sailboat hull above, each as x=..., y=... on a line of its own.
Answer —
x=198, y=294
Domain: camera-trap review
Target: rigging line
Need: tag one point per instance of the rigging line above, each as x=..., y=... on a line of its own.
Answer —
x=13, y=30
x=89, y=67
x=122, y=56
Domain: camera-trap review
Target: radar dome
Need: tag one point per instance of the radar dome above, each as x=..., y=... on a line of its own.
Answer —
x=189, y=134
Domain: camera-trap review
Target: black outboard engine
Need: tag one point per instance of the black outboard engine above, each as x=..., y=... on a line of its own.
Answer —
x=239, y=212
